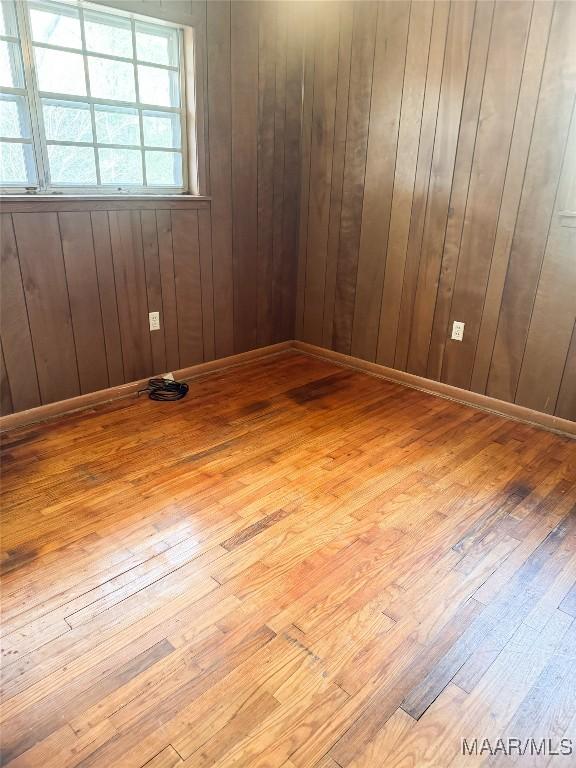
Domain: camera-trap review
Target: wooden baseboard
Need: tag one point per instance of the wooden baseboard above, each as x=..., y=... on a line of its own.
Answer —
x=90, y=400
x=483, y=402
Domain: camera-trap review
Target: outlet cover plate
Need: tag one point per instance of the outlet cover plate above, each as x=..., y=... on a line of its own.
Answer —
x=457, y=331
x=154, y=319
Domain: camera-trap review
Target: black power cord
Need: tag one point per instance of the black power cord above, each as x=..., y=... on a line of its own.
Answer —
x=165, y=389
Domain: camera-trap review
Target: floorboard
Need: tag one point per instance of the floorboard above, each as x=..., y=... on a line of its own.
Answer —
x=296, y=566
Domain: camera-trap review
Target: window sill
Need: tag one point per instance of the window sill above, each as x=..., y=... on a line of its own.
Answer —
x=53, y=198
x=91, y=203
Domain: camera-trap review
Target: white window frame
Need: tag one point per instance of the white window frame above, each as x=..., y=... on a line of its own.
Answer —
x=32, y=93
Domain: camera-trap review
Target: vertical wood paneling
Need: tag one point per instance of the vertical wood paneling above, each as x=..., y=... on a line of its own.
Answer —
x=547, y=148
x=366, y=192
x=525, y=113
x=443, y=160
x=481, y=116
x=166, y=259
x=460, y=184
x=130, y=277
x=237, y=267
x=387, y=80
x=278, y=252
x=566, y=403
x=220, y=137
x=46, y=292
x=80, y=265
x=422, y=179
x=361, y=70
x=323, y=113
x=496, y=123
x=108, y=299
x=247, y=72
x=285, y=276
x=266, y=114
x=153, y=287
x=307, y=105
x=206, y=282
x=419, y=39
x=244, y=106
x=255, y=54
x=6, y=405
x=337, y=175
x=553, y=318
x=554, y=311
x=188, y=290
x=101, y=272
x=16, y=338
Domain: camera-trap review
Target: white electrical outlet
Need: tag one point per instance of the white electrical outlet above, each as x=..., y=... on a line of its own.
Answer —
x=154, y=318
x=457, y=331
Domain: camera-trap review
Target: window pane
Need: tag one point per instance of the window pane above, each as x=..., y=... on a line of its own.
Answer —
x=158, y=86
x=10, y=65
x=16, y=164
x=156, y=44
x=7, y=19
x=164, y=169
x=60, y=26
x=117, y=125
x=111, y=79
x=161, y=129
x=60, y=72
x=67, y=120
x=14, y=122
x=120, y=166
x=133, y=112
x=106, y=34
x=71, y=165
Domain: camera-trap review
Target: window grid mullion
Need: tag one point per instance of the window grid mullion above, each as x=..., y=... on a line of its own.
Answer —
x=9, y=91
x=107, y=145
x=137, y=87
x=99, y=55
x=15, y=140
x=108, y=102
x=89, y=93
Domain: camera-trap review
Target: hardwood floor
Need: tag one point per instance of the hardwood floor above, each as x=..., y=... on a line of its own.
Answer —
x=297, y=565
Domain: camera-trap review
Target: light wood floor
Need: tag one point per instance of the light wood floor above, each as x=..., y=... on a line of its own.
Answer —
x=297, y=565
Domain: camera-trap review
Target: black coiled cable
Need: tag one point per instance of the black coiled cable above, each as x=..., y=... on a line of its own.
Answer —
x=166, y=389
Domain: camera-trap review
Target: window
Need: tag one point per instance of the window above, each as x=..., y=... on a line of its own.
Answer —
x=90, y=100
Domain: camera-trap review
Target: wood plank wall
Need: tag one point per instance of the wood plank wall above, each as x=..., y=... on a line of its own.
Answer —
x=437, y=157
x=249, y=57
x=373, y=152
x=78, y=284
x=254, y=87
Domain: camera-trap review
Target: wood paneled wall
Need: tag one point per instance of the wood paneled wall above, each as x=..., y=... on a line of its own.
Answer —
x=78, y=282
x=254, y=94
x=376, y=170
x=437, y=157
x=248, y=58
